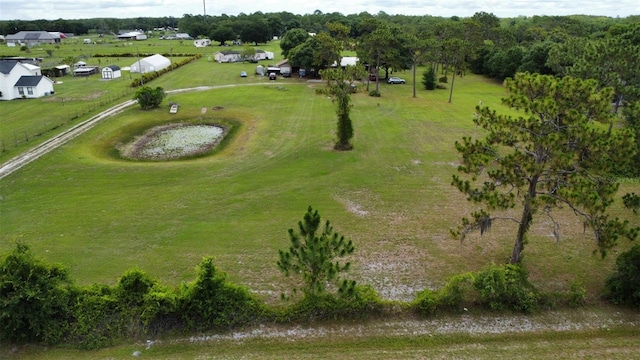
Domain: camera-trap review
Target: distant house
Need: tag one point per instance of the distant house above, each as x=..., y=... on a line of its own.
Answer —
x=285, y=67
x=31, y=38
x=111, y=72
x=151, y=63
x=263, y=55
x=348, y=60
x=132, y=35
x=183, y=36
x=18, y=80
x=201, y=42
x=228, y=56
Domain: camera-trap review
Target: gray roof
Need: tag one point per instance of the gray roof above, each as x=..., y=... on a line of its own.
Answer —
x=29, y=80
x=114, y=67
x=7, y=65
x=30, y=35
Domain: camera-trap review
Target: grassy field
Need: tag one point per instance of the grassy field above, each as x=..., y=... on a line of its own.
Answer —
x=99, y=215
x=26, y=123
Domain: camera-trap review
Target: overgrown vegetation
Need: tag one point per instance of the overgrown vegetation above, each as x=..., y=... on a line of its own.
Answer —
x=39, y=302
x=623, y=286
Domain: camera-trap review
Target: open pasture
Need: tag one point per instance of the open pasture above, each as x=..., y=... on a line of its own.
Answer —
x=99, y=215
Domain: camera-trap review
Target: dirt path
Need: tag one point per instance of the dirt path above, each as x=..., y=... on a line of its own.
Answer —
x=583, y=319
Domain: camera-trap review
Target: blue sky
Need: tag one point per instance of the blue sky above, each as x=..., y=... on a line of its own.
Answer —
x=73, y=9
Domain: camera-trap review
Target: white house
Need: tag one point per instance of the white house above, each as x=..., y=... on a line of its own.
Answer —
x=132, y=35
x=201, y=43
x=227, y=56
x=285, y=67
x=263, y=55
x=151, y=63
x=18, y=80
x=31, y=38
x=349, y=61
x=111, y=72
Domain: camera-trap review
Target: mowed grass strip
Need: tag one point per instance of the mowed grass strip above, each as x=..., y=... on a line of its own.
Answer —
x=611, y=343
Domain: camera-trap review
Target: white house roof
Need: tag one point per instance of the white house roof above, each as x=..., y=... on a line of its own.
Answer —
x=31, y=67
x=348, y=60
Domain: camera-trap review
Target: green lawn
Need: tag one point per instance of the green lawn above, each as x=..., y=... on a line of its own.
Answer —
x=99, y=216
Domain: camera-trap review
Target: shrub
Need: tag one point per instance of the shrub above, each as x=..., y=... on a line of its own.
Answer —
x=34, y=303
x=363, y=302
x=623, y=286
x=133, y=286
x=374, y=93
x=506, y=287
x=97, y=319
x=455, y=295
x=457, y=292
x=429, y=79
x=426, y=302
x=577, y=295
x=210, y=302
x=443, y=79
x=149, y=98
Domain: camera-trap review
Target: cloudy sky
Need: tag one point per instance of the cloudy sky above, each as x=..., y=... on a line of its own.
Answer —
x=73, y=9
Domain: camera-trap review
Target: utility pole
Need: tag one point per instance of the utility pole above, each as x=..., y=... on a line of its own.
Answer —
x=204, y=8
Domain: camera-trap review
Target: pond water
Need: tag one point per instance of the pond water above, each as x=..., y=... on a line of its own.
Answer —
x=174, y=141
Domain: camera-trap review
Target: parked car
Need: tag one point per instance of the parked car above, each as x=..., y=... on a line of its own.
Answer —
x=243, y=74
x=395, y=80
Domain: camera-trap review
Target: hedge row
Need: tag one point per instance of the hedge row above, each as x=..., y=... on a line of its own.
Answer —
x=39, y=302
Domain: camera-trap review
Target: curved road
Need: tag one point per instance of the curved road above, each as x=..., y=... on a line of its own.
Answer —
x=58, y=140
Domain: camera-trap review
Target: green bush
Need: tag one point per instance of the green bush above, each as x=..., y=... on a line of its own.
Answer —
x=426, y=302
x=363, y=302
x=506, y=287
x=133, y=286
x=374, y=93
x=443, y=79
x=34, y=301
x=623, y=286
x=458, y=292
x=429, y=79
x=210, y=302
x=577, y=295
x=97, y=319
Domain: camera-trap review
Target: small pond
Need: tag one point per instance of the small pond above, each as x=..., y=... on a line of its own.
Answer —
x=174, y=141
